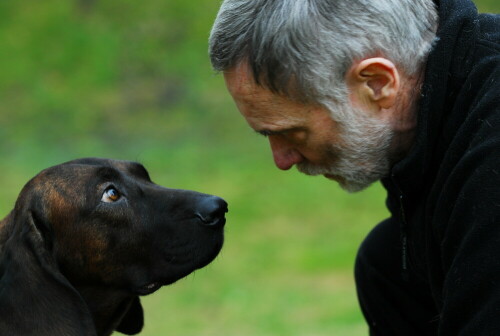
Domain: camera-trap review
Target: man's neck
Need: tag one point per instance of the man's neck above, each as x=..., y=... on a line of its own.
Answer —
x=405, y=124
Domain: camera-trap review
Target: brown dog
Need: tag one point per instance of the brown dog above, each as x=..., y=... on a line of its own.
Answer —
x=88, y=237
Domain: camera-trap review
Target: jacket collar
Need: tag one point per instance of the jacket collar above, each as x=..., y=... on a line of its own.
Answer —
x=447, y=67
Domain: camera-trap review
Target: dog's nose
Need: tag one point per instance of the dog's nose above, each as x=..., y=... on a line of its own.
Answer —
x=210, y=210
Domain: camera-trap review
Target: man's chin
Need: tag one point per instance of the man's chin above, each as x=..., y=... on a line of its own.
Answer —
x=336, y=178
x=349, y=186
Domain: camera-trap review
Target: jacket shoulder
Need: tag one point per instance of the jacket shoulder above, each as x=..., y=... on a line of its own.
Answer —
x=489, y=30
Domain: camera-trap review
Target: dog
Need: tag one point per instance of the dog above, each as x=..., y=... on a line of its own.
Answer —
x=88, y=237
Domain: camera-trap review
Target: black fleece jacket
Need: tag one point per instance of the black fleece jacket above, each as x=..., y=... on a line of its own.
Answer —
x=446, y=193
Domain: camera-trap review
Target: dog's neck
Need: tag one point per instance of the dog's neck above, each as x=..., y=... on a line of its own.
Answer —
x=106, y=306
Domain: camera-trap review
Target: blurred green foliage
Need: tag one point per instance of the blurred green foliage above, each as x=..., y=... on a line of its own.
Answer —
x=131, y=80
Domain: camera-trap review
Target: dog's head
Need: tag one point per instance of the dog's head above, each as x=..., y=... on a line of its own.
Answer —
x=107, y=225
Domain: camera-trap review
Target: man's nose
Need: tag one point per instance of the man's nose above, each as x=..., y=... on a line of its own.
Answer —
x=284, y=154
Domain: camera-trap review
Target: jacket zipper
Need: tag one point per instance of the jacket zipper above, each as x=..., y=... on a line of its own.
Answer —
x=403, y=227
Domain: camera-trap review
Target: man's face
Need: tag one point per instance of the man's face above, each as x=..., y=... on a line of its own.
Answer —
x=352, y=152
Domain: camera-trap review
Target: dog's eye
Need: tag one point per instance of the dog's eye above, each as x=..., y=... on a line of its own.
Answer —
x=110, y=195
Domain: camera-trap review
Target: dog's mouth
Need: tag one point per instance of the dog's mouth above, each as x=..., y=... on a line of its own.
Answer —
x=177, y=264
x=152, y=287
x=149, y=288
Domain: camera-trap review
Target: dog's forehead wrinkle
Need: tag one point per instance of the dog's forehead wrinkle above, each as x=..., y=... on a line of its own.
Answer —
x=108, y=173
x=132, y=169
x=138, y=170
x=110, y=168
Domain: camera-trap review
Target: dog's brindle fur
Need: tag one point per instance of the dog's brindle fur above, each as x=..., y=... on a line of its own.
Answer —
x=72, y=264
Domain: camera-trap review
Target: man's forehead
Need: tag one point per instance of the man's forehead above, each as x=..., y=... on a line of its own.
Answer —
x=249, y=95
x=240, y=81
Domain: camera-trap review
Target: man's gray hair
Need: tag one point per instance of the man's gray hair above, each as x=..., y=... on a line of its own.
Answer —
x=303, y=48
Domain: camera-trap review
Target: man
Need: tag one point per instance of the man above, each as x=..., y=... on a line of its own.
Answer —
x=402, y=91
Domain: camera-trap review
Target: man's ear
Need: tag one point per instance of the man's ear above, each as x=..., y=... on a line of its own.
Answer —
x=133, y=320
x=374, y=81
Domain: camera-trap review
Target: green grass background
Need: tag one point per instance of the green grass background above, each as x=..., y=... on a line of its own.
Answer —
x=131, y=80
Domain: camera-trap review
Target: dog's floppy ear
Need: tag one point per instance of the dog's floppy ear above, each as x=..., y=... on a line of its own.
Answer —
x=30, y=273
x=133, y=320
x=40, y=232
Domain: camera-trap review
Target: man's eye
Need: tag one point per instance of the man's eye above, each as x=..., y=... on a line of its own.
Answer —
x=297, y=136
x=110, y=195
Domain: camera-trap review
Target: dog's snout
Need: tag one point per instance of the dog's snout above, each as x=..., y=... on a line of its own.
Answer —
x=210, y=210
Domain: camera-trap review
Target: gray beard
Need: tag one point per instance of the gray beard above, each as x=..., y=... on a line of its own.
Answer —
x=361, y=158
